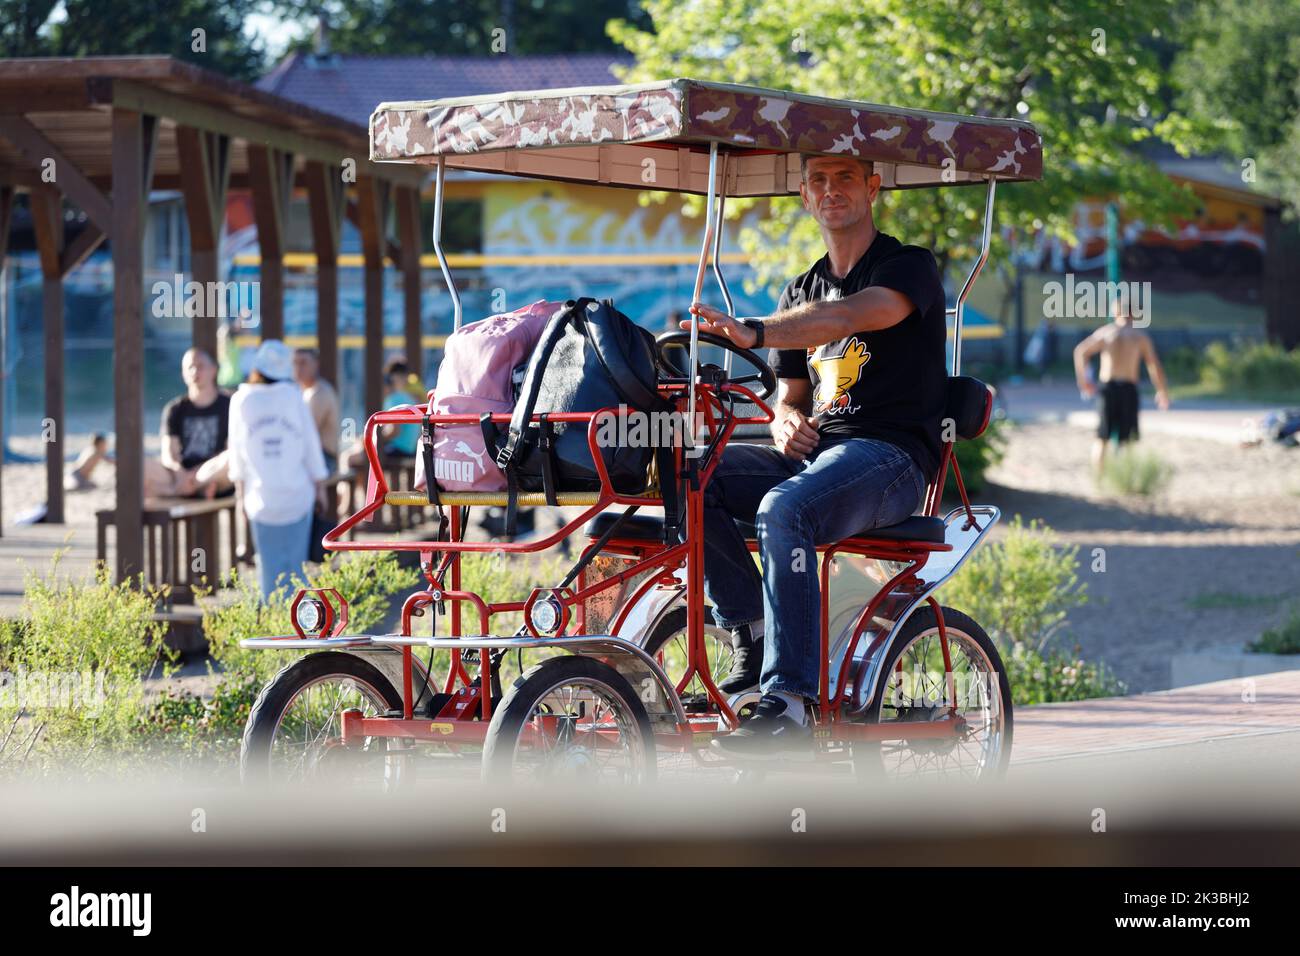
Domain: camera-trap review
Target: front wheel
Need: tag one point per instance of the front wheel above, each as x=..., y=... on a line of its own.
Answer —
x=914, y=689
x=294, y=731
x=570, y=718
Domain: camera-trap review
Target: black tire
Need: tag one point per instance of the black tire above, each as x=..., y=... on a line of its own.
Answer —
x=531, y=687
x=669, y=626
x=869, y=759
x=255, y=757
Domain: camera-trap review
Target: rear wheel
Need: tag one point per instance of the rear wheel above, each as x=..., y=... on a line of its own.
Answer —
x=915, y=690
x=570, y=719
x=294, y=731
x=668, y=644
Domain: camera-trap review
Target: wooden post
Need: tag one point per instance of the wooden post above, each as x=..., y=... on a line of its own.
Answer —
x=326, y=201
x=408, y=228
x=134, y=138
x=372, y=202
x=6, y=215
x=270, y=173
x=205, y=176
x=47, y=223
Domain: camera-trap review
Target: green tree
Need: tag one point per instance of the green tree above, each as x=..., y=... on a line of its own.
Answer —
x=1239, y=74
x=1085, y=73
x=78, y=28
x=424, y=27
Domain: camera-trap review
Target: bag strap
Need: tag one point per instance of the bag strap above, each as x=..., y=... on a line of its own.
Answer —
x=426, y=442
x=546, y=448
x=667, y=467
x=533, y=382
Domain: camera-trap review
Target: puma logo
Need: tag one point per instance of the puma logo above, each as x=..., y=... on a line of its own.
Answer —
x=448, y=469
x=837, y=374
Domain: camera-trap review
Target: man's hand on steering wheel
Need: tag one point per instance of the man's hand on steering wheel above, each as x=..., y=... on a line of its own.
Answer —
x=719, y=323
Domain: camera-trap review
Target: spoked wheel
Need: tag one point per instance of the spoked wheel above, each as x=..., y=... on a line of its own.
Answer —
x=570, y=719
x=667, y=643
x=294, y=731
x=916, y=690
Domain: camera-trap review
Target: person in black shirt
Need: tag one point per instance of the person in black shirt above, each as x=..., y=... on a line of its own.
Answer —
x=194, y=430
x=858, y=343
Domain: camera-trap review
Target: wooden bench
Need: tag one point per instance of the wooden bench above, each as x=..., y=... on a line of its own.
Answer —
x=173, y=525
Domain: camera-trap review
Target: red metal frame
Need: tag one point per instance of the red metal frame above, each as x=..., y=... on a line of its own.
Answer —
x=464, y=719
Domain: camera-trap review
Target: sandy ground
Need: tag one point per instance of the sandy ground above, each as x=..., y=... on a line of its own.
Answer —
x=24, y=484
x=1227, y=524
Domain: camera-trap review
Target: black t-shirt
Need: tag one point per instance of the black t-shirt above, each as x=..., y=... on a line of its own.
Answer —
x=888, y=384
x=202, y=430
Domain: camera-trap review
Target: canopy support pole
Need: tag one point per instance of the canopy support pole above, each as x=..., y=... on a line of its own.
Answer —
x=958, y=310
x=709, y=226
x=437, y=242
x=717, y=248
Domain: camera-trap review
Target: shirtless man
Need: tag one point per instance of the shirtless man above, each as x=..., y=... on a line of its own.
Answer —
x=1122, y=348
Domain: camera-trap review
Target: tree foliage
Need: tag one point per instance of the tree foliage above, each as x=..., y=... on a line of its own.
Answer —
x=1084, y=72
x=425, y=28
x=1239, y=76
x=78, y=28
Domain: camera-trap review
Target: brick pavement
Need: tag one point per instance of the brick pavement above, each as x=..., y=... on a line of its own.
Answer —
x=1240, y=707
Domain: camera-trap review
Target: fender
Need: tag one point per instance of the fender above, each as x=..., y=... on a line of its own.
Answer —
x=864, y=675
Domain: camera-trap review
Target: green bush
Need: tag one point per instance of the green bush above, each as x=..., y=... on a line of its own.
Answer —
x=977, y=456
x=1130, y=470
x=76, y=660
x=368, y=580
x=1280, y=640
x=1259, y=368
x=1021, y=589
x=1038, y=678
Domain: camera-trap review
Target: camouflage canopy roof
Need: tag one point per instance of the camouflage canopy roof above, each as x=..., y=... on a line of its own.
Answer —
x=657, y=136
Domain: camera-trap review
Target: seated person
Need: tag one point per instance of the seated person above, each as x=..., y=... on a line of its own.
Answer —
x=395, y=441
x=79, y=479
x=859, y=342
x=322, y=401
x=194, y=430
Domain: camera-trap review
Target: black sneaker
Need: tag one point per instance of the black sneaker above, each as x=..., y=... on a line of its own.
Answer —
x=768, y=735
x=746, y=663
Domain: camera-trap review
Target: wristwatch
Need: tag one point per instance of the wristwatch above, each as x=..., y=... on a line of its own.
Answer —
x=757, y=326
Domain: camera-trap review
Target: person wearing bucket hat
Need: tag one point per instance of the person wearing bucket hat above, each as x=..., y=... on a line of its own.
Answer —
x=277, y=464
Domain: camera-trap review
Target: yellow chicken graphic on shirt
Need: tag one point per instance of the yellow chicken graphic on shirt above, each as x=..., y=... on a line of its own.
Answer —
x=836, y=375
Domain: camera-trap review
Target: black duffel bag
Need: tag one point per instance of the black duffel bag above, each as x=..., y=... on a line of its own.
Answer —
x=590, y=356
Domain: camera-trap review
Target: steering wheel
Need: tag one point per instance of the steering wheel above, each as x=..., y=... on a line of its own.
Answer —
x=764, y=376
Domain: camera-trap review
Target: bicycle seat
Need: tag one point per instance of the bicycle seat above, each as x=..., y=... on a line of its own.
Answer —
x=651, y=528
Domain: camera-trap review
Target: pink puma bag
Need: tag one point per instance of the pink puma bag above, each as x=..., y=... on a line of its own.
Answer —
x=475, y=377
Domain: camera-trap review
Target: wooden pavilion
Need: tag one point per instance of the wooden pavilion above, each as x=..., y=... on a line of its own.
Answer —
x=101, y=132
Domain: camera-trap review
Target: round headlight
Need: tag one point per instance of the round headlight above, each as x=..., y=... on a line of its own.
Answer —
x=310, y=615
x=545, y=615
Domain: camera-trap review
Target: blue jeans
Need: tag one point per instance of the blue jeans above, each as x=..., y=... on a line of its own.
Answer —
x=281, y=551
x=847, y=485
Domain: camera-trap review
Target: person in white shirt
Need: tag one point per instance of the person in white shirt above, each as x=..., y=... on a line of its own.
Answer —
x=276, y=464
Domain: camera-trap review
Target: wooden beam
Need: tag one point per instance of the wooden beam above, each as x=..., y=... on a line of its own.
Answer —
x=134, y=137
x=45, y=99
x=326, y=200
x=35, y=148
x=187, y=112
x=47, y=223
x=392, y=251
x=205, y=178
x=80, y=249
x=408, y=232
x=271, y=172
x=6, y=217
x=372, y=210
